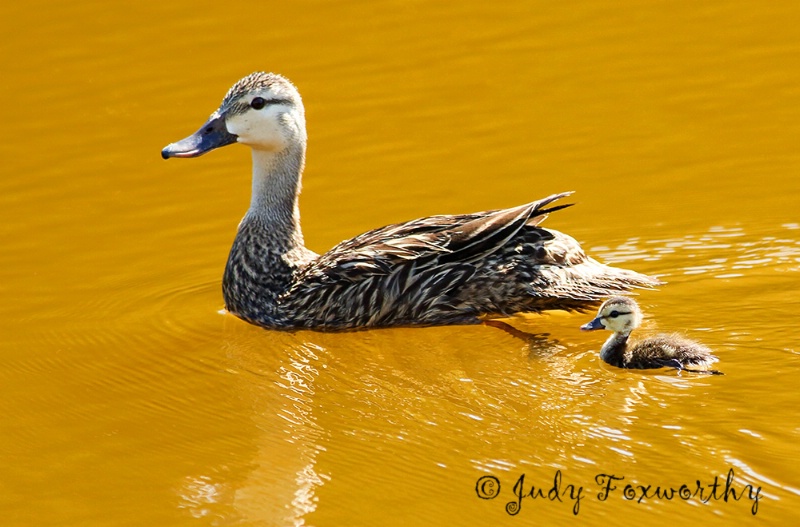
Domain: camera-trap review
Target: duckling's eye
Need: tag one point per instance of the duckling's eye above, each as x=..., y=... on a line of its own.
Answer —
x=614, y=314
x=258, y=103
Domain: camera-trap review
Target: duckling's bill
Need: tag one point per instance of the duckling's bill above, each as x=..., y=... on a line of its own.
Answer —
x=597, y=323
x=211, y=135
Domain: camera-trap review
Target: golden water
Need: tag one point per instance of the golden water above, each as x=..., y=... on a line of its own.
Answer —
x=129, y=399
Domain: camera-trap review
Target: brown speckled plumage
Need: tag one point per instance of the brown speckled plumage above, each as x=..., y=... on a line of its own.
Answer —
x=450, y=269
x=622, y=315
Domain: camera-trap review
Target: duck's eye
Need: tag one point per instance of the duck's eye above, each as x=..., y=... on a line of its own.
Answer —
x=614, y=314
x=258, y=103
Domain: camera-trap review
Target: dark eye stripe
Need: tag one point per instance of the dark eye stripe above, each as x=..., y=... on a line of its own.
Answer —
x=615, y=314
x=259, y=102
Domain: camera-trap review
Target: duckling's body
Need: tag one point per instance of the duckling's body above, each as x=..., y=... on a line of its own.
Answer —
x=622, y=315
x=452, y=269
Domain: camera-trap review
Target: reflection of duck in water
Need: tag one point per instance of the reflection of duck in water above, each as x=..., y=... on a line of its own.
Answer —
x=621, y=315
x=449, y=269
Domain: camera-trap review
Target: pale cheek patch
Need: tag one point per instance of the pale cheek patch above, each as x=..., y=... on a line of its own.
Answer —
x=258, y=129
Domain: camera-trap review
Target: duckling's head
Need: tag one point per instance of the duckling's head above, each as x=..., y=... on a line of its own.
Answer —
x=619, y=314
x=262, y=110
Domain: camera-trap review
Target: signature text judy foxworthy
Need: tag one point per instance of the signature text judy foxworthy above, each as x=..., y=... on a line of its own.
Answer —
x=610, y=486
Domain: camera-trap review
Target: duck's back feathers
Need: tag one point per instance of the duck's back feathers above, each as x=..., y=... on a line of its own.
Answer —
x=454, y=269
x=434, y=240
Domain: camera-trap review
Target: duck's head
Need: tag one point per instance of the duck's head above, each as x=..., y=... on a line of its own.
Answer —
x=619, y=314
x=262, y=110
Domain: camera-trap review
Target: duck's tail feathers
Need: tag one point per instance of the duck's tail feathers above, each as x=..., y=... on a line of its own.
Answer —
x=539, y=212
x=585, y=286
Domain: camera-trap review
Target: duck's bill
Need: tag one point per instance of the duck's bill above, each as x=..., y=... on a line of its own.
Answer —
x=594, y=324
x=211, y=135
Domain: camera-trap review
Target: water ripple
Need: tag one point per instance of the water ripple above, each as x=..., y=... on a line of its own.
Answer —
x=721, y=252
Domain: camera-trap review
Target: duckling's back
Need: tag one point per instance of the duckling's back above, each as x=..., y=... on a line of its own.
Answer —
x=670, y=350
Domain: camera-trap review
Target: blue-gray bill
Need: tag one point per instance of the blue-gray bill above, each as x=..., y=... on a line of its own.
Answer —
x=211, y=135
x=597, y=323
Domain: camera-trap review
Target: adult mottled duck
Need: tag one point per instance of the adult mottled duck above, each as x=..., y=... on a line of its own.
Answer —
x=449, y=269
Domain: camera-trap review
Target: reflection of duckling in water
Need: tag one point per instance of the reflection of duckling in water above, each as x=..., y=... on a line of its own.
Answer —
x=621, y=315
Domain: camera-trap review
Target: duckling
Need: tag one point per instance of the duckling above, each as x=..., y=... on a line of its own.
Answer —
x=622, y=315
x=447, y=269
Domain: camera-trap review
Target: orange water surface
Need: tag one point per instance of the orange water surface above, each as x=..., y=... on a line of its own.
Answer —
x=129, y=398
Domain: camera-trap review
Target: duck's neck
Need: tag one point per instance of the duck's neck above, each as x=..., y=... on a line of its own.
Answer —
x=613, y=351
x=275, y=196
x=268, y=250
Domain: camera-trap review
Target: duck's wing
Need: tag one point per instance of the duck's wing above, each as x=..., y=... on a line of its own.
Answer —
x=453, y=269
x=401, y=273
x=428, y=242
